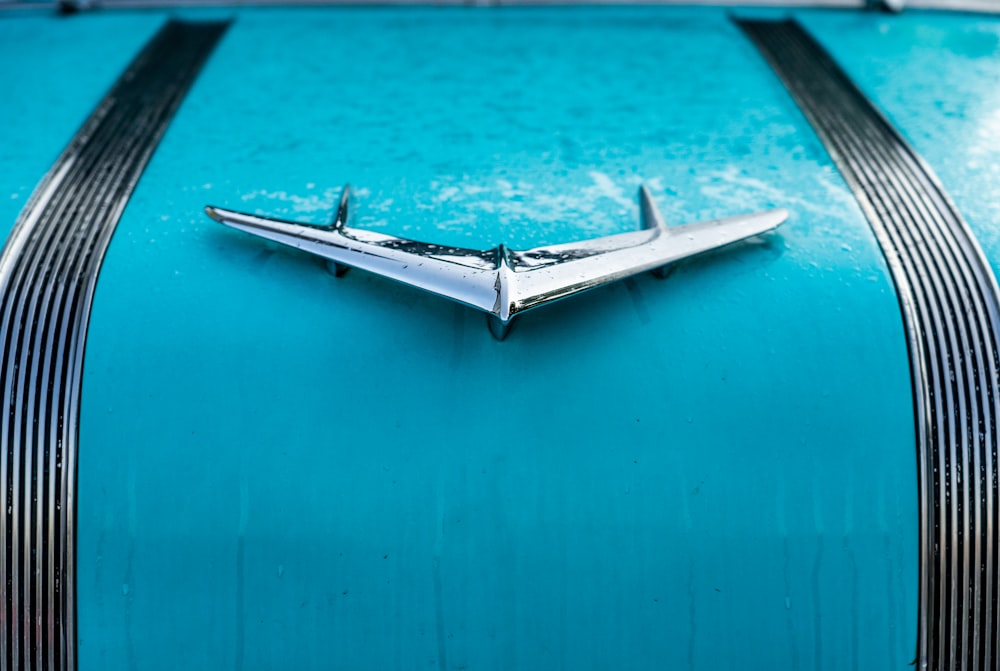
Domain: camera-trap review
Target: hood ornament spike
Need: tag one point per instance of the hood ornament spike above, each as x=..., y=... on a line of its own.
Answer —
x=502, y=282
x=339, y=221
x=650, y=218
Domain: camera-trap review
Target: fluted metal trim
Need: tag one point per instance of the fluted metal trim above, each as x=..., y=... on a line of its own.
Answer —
x=48, y=273
x=950, y=305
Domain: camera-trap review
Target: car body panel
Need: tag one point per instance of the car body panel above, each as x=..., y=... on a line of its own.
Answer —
x=54, y=73
x=279, y=468
x=937, y=77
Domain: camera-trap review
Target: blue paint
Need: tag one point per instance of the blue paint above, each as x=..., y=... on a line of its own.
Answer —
x=54, y=72
x=937, y=77
x=283, y=470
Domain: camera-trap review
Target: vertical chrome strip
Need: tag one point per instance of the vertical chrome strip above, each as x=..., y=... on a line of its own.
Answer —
x=48, y=274
x=951, y=308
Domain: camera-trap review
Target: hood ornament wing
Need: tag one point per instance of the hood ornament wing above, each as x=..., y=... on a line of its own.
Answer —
x=503, y=282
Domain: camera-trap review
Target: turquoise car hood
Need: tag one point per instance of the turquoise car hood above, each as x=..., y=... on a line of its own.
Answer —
x=281, y=468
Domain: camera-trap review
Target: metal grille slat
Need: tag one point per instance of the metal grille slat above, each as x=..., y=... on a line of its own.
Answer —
x=951, y=309
x=953, y=571
x=48, y=273
x=28, y=367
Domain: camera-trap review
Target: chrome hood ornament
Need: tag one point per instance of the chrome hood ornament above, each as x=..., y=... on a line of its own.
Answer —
x=503, y=282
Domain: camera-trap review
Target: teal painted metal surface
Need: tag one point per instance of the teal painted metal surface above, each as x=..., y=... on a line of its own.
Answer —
x=283, y=470
x=54, y=73
x=937, y=77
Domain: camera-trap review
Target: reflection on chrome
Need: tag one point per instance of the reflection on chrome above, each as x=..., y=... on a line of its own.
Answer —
x=503, y=282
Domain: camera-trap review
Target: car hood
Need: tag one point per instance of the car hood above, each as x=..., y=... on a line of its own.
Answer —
x=279, y=467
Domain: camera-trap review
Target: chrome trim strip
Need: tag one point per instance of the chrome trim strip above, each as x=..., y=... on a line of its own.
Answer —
x=503, y=282
x=951, y=308
x=974, y=6
x=69, y=7
x=48, y=274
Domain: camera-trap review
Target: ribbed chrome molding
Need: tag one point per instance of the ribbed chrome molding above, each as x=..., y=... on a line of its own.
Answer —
x=949, y=300
x=48, y=272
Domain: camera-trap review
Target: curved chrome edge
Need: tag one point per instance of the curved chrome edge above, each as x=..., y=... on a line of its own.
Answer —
x=973, y=6
x=895, y=6
x=48, y=276
x=503, y=282
x=74, y=6
x=950, y=304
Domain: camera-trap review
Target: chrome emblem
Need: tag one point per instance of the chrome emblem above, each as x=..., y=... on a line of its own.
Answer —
x=504, y=282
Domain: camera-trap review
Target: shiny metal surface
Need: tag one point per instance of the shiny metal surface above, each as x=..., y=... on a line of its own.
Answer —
x=503, y=282
x=79, y=5
x=950, y=304
x=48, y=275
x=72, y=6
